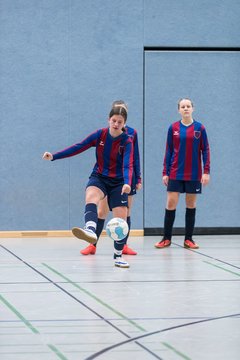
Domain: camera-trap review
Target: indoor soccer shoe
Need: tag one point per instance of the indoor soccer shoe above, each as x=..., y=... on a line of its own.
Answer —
x=120, y=262
x=85, y=234
x=190, y=244
x=128, y=251
x=162, y=244
x=89, y=250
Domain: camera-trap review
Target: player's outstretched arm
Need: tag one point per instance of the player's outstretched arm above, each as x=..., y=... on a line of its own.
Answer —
x=47, y=156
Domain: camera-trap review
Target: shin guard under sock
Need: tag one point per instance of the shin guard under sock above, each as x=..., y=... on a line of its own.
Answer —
x=189, y=223
x=90, y=216
x=99, y=229
x=129, y=227
x=168, y=223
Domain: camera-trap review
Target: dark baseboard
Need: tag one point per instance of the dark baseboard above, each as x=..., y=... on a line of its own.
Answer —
x=197, y=231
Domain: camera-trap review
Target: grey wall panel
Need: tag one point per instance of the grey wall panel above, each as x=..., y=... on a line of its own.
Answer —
x=212, y=81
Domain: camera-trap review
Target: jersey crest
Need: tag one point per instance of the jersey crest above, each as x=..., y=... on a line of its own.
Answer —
x=197, y=134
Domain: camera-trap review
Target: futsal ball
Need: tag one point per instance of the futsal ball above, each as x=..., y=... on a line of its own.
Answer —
x=117, y=229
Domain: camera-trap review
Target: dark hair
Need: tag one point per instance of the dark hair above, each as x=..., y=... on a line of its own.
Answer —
x=118, y=110
x=120, y=103
x=184, y=99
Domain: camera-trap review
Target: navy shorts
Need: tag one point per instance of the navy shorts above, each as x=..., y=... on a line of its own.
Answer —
x=111, y=188
x=183, y=186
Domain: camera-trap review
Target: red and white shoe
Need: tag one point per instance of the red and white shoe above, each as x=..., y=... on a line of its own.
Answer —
x=89, y=250
x=190, y=244
x=128, y=251
x=162, y=244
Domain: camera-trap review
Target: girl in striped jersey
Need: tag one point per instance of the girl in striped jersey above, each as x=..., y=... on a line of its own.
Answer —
x=103, y=208
x=187, y=149
x=111, y=175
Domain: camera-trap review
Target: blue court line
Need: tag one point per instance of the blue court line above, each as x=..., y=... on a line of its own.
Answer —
x=79, y=301
x=208, y=256
x=94, y=297
x=103, y=351
x=124, y=281
x=114, y=310
x=86, y=306
x=30, y=326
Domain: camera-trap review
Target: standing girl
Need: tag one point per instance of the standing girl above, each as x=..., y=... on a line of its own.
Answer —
x=111, y=175
x=187, y=149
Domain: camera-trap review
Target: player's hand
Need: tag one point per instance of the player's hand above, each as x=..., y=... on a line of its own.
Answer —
x=139, y=186
x=165, y=180
x=126, y=189
x=47, y=156
x=205, y=179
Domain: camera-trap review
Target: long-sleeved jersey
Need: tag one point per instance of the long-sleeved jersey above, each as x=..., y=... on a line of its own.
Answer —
x=187, y=149
x=114, y=156
x=136, y=157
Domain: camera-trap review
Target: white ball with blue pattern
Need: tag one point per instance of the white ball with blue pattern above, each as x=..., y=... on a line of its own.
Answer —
x=117, y=229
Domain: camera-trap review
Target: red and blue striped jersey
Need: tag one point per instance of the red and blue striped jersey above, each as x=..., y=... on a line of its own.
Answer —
x=187, y=149
x=136, y=157
x=114, y=155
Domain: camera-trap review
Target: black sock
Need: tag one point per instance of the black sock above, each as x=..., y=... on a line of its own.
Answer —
x=99, y=229
x=168, y=223
x=189, y=223
x=129, y=227
x=90, y=216
x=118, y=247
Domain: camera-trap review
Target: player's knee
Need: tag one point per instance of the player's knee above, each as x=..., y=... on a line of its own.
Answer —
x=102, y=213
x=191, y=204
x=191, y=201
x=120, y=212
x=171, y=204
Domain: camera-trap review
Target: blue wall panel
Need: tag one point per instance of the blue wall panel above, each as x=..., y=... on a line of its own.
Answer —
x=212, y=81
x=62, y=64
x=191, y=23
x=34, y=114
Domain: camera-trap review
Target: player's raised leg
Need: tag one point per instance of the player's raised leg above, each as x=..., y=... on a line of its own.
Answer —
x=103, y=211
x=93, y=196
